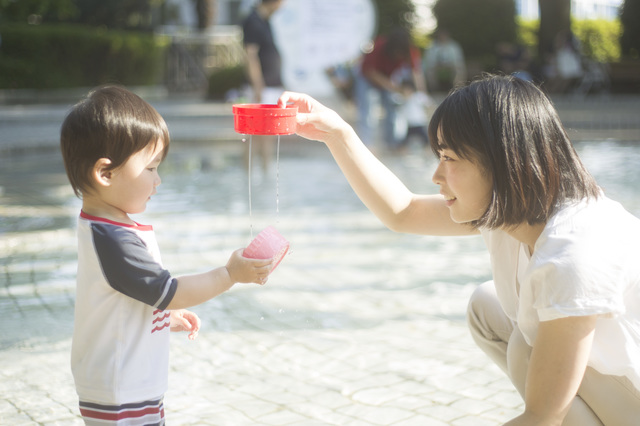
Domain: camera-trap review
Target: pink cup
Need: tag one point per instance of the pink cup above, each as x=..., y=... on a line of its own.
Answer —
x=268, y=244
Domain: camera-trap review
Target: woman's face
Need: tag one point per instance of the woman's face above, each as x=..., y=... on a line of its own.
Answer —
x=465, y=185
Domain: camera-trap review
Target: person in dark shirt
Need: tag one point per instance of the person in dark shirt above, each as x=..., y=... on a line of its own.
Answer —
x=264, y=67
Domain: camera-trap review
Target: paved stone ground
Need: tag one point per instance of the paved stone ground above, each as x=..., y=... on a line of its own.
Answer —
x=358, y=326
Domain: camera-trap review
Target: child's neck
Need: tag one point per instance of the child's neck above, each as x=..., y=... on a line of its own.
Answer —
x=97, y=208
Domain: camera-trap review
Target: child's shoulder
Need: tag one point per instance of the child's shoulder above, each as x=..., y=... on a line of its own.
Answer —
x=113, y=235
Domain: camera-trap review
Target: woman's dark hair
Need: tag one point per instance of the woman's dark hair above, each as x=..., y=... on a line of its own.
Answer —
x=112, y=123
x=510, y=128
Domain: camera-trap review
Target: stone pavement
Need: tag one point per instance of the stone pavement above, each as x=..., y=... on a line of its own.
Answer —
x=357, y=326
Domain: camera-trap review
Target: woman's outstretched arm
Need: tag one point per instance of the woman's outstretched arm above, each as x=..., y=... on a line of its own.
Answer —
x=379, y=189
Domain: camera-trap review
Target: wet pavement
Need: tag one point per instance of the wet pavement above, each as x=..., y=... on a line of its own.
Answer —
x=357, y=326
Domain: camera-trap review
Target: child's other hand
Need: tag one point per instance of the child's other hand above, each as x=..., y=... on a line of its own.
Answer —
x=244, y=270
x=183, y=320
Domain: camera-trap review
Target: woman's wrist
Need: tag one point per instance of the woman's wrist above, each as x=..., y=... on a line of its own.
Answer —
x=341, y=136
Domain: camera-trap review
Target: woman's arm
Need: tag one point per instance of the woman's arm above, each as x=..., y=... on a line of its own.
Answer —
x=558, y=362
x=378, y=188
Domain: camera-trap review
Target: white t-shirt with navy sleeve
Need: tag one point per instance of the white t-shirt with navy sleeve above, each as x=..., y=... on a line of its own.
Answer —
x=120, y=349
x=585, y=262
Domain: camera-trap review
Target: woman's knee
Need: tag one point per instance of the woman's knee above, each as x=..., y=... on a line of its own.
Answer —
x=482, y=299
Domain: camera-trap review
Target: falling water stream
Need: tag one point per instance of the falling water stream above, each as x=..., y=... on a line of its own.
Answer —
x=249, y=165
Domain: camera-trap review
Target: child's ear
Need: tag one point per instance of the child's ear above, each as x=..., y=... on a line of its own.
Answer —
x=101, y=172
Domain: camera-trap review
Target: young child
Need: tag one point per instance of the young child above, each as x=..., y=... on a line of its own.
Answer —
x=414, y=111
x=112, y=143
x=562, y=314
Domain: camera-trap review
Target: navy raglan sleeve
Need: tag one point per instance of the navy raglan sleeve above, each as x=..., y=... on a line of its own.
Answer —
x=129, y=267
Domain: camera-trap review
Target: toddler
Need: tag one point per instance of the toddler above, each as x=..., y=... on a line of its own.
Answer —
x=112, y=144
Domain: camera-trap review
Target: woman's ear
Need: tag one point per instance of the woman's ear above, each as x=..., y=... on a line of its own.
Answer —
x=101, y=172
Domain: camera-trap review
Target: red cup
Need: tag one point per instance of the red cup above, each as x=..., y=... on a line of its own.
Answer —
x=268, y=244
x=264, y=119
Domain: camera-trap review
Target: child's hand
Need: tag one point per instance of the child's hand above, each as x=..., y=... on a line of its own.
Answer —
x=183, y=320
x=244, y=270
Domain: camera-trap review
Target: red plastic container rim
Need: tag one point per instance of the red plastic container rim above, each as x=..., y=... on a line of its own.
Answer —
x=264, y=119
x=269, y=110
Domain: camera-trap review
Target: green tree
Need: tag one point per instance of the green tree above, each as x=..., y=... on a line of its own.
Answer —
x=394, y=13
x=630, y=20
x=478, y=25
x=120, y=14
x=37, y=11
x=206, y=12
x=114, y=14
x=555, y=18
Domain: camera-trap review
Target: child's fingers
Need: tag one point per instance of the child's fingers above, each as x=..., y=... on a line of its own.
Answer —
x=185, y=324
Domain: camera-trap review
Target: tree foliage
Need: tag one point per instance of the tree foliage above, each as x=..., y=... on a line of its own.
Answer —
x=478, y=25
x=115, y=14
x=394, y=13
x=555, y=18
x=630, y=20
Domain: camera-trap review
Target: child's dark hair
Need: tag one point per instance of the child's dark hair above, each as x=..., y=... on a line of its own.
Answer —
x=111, y=122
x=510, y=128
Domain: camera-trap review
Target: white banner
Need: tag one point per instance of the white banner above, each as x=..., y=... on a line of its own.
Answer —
x=313, y=35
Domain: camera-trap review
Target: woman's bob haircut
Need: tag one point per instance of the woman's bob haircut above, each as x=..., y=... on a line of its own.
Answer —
x=511, y=130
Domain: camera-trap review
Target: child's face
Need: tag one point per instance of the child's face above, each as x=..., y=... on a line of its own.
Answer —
x=133, y=184
x=467, y=188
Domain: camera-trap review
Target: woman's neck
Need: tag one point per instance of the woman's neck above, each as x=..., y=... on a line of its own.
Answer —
x=527, y=234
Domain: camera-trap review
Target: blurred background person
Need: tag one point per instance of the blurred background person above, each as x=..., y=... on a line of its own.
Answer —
x=566, y=68
x=381, y=71
x=444, y=65
x=264, y=69
x=413, y=111
x=514, y=59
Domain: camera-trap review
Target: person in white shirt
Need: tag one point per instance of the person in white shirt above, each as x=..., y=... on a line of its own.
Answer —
x=413, y=110
x=562, y=315
x=443, y=63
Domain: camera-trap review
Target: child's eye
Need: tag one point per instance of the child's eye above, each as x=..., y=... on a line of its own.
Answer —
x=152, y=169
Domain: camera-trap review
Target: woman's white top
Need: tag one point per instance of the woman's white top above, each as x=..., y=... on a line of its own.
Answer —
x=585, y=262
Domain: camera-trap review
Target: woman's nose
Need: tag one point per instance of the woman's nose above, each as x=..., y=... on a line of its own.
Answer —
x=437, y=175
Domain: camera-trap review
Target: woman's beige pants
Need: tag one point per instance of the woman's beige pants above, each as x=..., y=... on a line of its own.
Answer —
x=601, y=399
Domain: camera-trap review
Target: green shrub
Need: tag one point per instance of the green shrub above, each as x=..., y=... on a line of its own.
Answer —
x=224, y=79
x=61, y=56
x=528, y=33
x=598, y=37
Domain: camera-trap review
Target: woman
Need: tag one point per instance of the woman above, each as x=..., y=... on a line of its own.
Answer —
x=562, y=314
